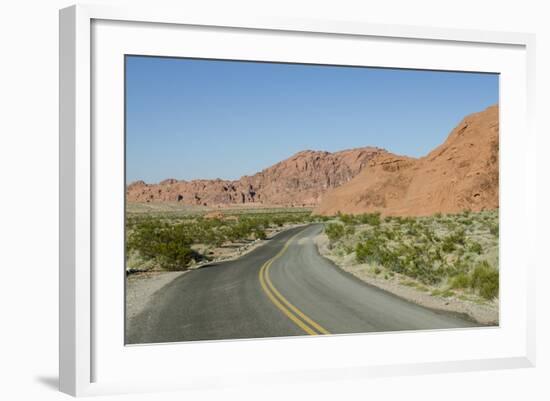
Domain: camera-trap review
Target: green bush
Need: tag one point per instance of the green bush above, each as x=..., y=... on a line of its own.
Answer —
x=432, y=250
x=458, y=237
x=485, y=280
x=369, y=250
x=169, y=245
x=259, y=233
x=173, y=256
x=372, y=219
x=346, y=218
x=166, y=240
x=475, y=247
x=430, y=235
x=461, y=280
x=389, y=234
x=361, y=253
x=448, y=245
x=334, y=231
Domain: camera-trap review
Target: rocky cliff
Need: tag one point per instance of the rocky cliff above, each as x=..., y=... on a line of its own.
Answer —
x=460, y=174
x=300, y=180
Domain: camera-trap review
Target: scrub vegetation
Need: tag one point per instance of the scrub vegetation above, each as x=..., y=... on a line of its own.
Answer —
x=444, y=254
x=176, y=241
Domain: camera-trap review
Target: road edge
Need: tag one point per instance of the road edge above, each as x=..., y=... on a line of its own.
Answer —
x=467, y=310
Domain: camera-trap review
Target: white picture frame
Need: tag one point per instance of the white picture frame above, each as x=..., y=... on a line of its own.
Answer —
x=89, y=362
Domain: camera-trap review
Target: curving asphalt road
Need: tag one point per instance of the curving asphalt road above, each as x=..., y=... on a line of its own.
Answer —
x=283, y=288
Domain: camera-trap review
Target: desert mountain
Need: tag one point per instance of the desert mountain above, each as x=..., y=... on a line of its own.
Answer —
x=300, y=180
x=460, y=174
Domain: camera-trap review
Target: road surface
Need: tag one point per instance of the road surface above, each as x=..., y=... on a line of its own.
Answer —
x=283, y=288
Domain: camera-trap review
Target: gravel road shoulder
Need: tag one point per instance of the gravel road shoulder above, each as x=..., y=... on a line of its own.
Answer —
x=140, y=287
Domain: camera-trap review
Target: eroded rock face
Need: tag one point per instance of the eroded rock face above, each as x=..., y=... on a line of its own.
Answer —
x=300, y=180
x=460, y=174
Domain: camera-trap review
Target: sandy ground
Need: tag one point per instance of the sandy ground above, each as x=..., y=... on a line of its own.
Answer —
x=140, y=287
x=481, y=313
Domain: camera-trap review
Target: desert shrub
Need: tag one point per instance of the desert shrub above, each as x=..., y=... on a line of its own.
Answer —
x=451, y=241
x=430, y=235
x=389, y=234
x=334, y=231
x=173, y=256
x=146, y=236
x=430, y=250
x=466, y=222
x=214, y=238
x=372, y=219
x=448, y=245
x=412, y=230
x=369, y=251
x=166, y=240
x=259, y=233
x=458, y=237
x=168, y=244
x=278, y=221
x=485, y=280
x=451, y=224
x=362, y=252
x=350, y=230
x=435, y=255
x=461, y=280
x=346, y=218
x=422, y=270
x=475, y=247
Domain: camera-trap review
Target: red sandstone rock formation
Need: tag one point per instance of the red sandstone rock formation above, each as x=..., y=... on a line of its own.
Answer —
x=300, y=180
x=460, y=174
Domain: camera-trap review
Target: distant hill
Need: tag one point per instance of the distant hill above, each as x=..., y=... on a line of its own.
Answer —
x=460, y=174
x=300, y=180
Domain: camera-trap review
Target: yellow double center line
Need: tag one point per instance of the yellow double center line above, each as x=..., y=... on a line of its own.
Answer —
x=293, y=313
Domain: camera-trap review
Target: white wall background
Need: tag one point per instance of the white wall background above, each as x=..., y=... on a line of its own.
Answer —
x=29, y=196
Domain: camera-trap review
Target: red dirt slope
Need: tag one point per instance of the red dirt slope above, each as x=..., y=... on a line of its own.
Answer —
x=460, y=174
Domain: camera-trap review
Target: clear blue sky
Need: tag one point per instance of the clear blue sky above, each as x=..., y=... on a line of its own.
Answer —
x=190, y=119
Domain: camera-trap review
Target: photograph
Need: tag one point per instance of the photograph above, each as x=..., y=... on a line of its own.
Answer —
x=275, y=199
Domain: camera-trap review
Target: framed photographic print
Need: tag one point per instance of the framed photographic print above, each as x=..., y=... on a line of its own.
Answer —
x=290, y=199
